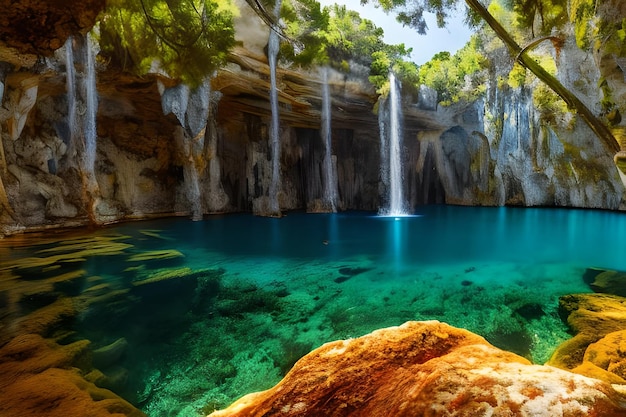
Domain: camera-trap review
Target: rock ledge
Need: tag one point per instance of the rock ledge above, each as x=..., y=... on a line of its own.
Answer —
x=426, y=368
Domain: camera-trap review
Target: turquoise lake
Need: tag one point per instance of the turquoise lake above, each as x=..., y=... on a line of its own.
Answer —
x=244, y=297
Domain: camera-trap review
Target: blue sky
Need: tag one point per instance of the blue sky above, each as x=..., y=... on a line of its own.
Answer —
x=451, y=38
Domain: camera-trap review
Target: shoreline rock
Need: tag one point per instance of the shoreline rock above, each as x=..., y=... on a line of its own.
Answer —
x=426, y=368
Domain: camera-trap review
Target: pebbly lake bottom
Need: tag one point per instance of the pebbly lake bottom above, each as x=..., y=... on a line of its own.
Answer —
x=185, y=317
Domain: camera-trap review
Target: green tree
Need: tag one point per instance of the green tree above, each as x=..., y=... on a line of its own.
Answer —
x=350, y=38
x=477, y=13
x=456, y=77
x=188, y=39
x=306, y=24
x=545, y=14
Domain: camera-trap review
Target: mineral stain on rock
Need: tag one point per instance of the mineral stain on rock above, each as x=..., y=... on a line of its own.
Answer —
x=425, y=368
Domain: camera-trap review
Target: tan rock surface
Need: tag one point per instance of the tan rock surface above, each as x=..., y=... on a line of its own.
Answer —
x=426, y=368
x=597, y=349
x=38, y=378
x=595, y=314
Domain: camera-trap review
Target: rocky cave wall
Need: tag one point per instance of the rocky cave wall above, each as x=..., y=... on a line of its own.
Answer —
x=492, y=152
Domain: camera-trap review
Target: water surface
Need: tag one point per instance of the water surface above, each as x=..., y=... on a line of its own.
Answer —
x=214, y=309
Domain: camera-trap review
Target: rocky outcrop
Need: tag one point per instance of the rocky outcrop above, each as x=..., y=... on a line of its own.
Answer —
x=39, y=377
x=426, y=368
x=598, y=322
x=40, y=27
x=163, y=149
x=149, y=163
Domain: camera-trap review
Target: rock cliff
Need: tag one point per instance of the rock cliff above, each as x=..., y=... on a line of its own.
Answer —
x=162, y=149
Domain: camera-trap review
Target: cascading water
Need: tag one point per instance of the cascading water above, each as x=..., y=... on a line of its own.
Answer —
x=391, y=152
x=91, y=110
x=273, y=47
x=82, y=102
x=70, y=85
x=328, y=171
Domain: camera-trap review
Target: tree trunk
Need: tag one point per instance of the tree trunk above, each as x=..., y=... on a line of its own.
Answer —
x=599, y=128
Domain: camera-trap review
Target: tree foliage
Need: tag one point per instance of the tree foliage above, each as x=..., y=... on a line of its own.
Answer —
x=306, y=22
x=188, y=39
x=411, y=12
x=456, y=77
x=540, y=16
x=352, y=39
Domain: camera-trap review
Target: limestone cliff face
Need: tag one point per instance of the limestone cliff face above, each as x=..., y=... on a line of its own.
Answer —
x=162, y=149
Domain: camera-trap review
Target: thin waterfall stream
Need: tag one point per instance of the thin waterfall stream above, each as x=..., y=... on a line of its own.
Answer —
x=70, y=85
x=392, y=168
x=328, y=172
x=82, y=101
x=91, y=110
x=273, y=48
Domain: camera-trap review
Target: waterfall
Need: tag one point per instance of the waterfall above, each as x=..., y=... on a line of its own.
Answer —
x=70, y=85
x=82, y=108
x=328, y=171
x=391, y=152
x=273, y=47
x=91, y=110
x=217, y=198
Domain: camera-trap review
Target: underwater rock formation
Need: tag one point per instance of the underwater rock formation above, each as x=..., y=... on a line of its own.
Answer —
x=426, y=368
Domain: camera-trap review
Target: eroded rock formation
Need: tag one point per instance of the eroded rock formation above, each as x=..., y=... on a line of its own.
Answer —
x=144, y=159
x=40, y=27
x=39, y=377
x=598, y=322
x=150, y=161
x=426, y=368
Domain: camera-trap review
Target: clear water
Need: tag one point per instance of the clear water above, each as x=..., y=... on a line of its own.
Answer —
x=261, y=292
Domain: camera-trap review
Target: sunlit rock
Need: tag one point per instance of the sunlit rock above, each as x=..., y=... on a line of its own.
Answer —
x=598, y=321
x=426, y=368
x=38, y=377
x=20, y=102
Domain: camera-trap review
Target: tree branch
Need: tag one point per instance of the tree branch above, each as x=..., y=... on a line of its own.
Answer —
x=573, y=102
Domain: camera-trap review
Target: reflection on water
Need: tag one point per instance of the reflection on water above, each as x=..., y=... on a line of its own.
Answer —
x=187, y=316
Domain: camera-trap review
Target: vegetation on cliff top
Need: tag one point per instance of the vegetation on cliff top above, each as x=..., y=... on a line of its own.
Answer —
x=531, y=17
x=189, y=39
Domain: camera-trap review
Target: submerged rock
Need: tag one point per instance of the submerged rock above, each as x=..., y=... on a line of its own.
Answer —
x=426, y=368
x=608, y=282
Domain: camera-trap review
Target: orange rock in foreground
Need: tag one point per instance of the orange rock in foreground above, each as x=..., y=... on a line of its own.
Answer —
x=426, y=369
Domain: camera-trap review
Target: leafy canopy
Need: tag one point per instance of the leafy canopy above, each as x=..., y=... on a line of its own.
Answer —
x=456, y=77
x=306, y=23
x=352, y=39
x=188, y=39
